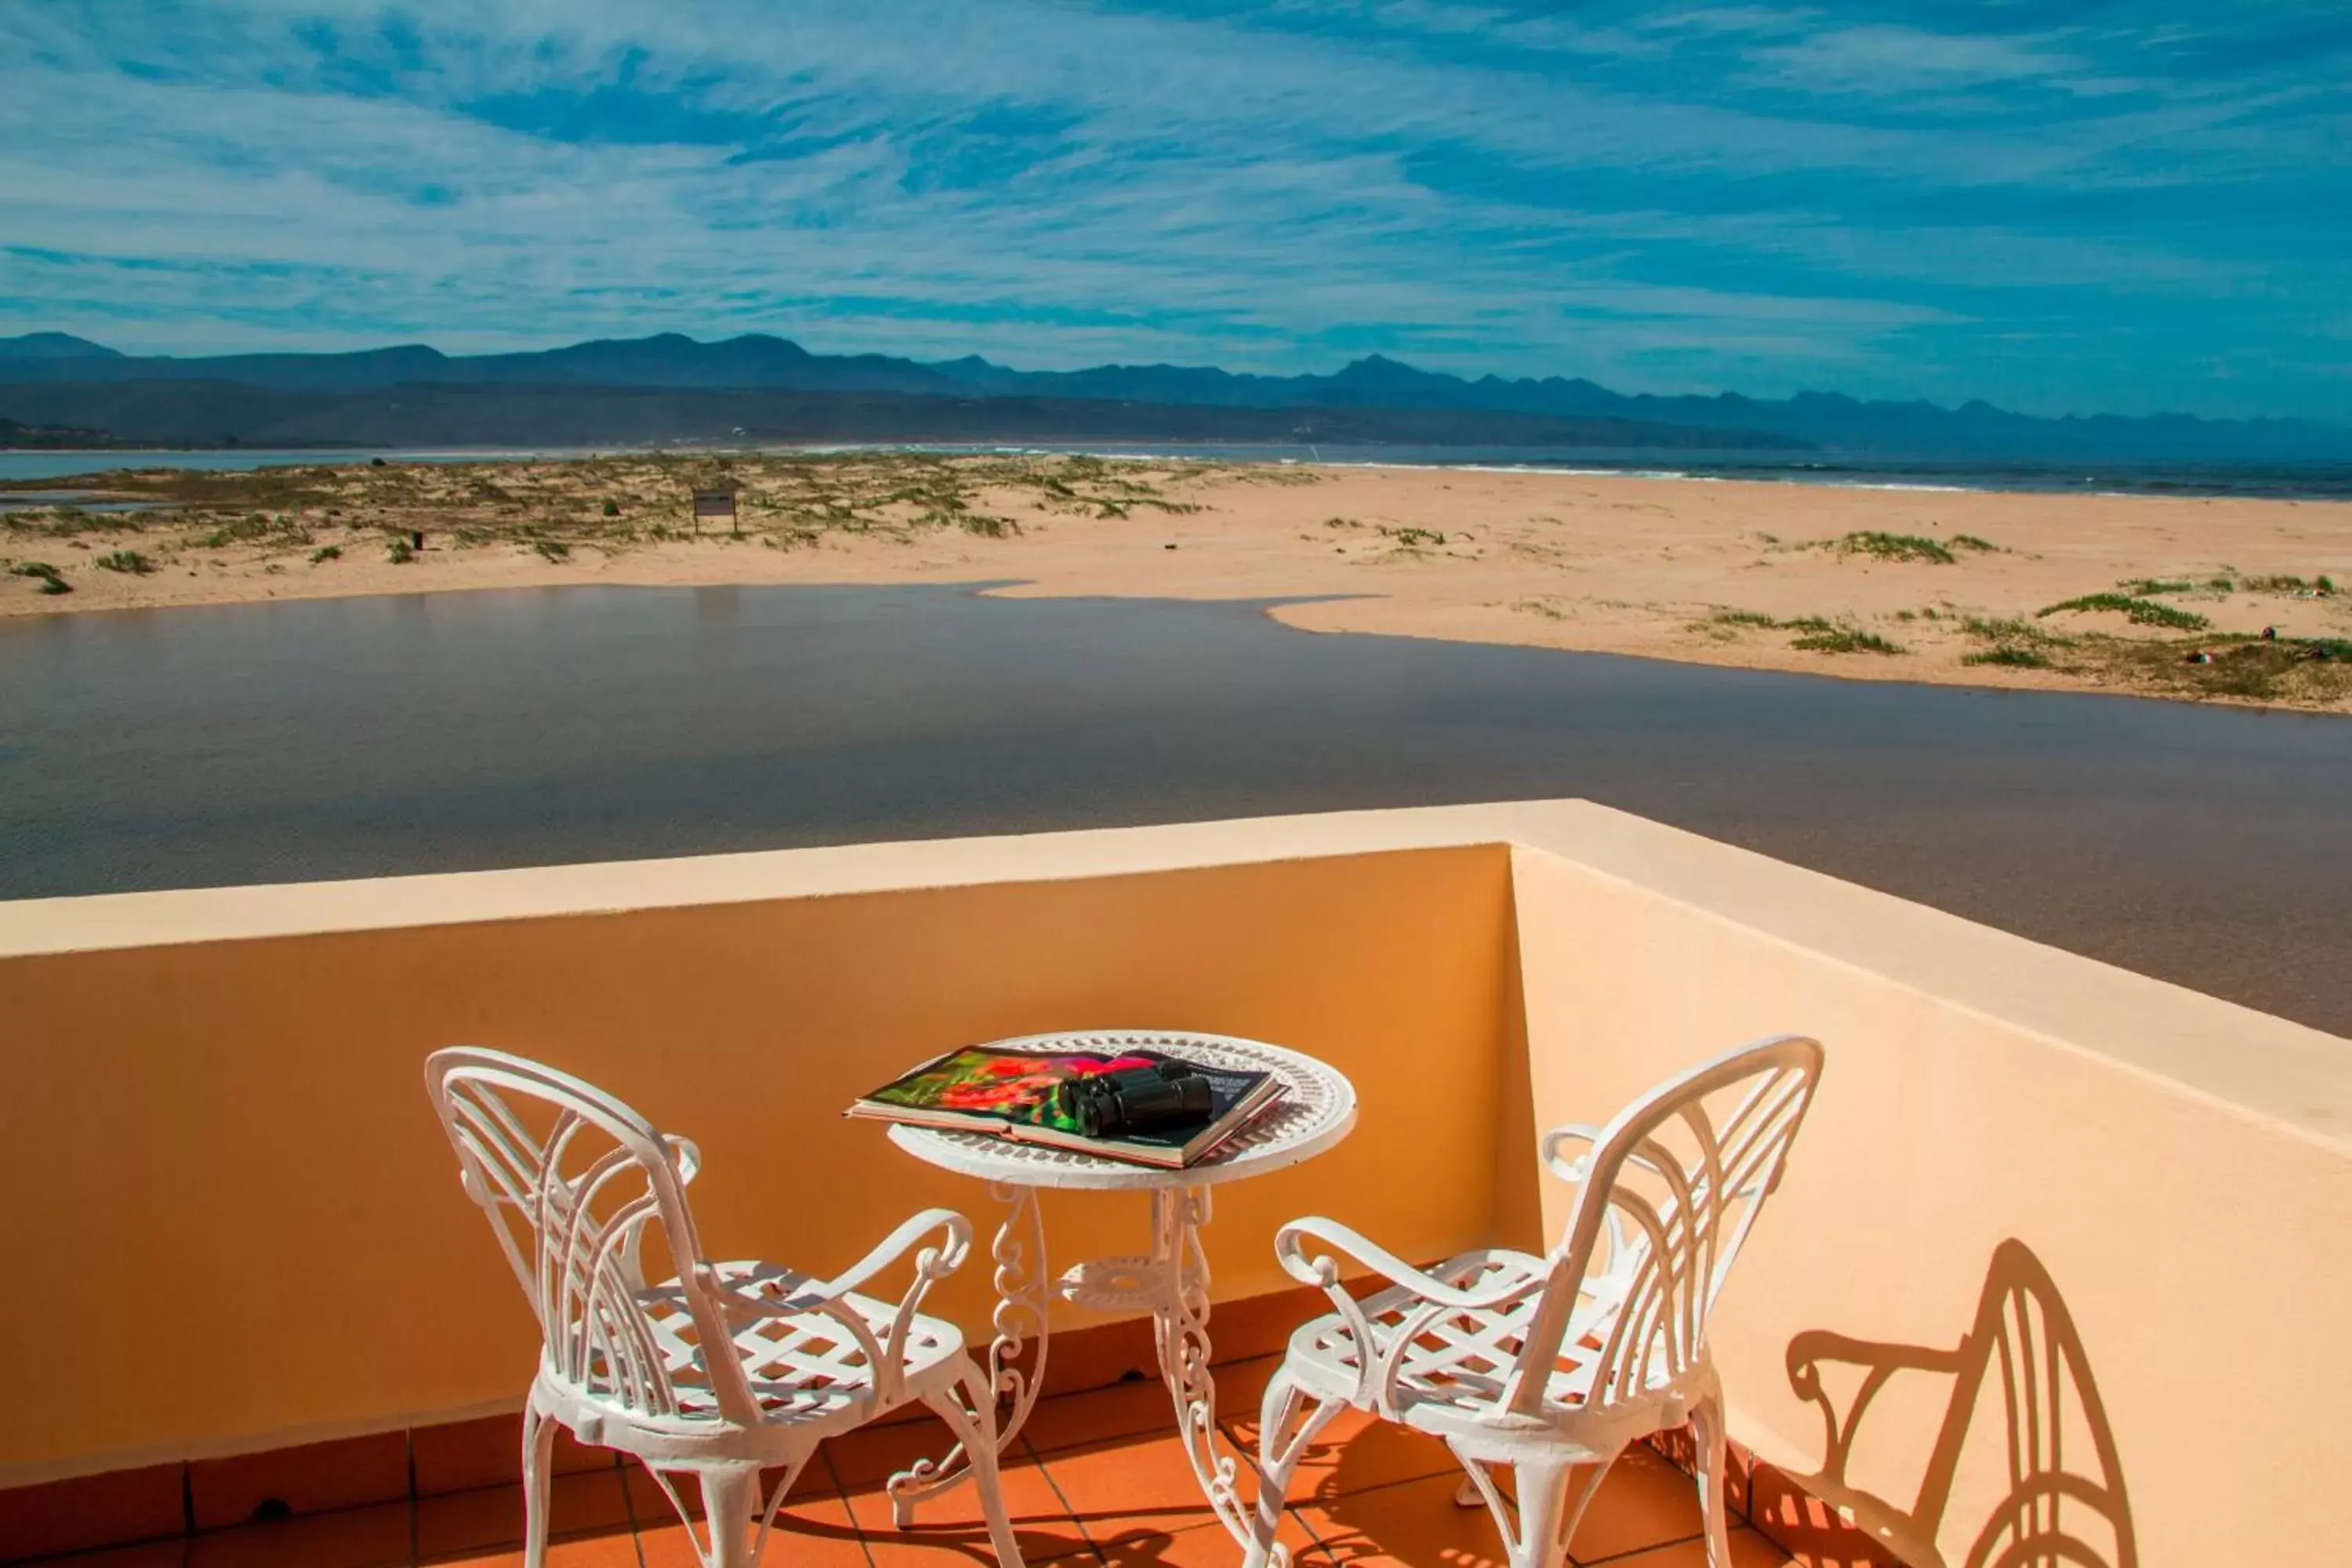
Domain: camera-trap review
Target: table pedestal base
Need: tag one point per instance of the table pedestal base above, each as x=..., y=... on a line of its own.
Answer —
x=1170, y=1282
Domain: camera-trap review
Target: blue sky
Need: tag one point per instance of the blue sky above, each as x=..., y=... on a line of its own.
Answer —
x=2055, y=208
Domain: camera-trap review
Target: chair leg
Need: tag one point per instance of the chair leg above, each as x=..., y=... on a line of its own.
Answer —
x=1278, y=1457
x=1707, y=1429
x=730, y=1515
x=538, y=1481
x=972, y=1418
x=735, y=1518
x=1552, y=1495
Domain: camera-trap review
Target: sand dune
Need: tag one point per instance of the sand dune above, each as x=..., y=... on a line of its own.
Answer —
x=1879, y=584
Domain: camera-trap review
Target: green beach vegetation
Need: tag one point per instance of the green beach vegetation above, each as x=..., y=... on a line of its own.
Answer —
x=49, y=578
x=2139, y=612
x=2229, y=664
x=1908, y=546
x=616, y=503
x=1816, y=634
x=1847, y=639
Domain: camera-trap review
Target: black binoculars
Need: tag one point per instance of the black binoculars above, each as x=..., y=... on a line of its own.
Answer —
x=1136, y=1100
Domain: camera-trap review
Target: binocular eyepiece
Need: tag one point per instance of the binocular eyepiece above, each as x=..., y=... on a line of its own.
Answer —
x=1136, y=1100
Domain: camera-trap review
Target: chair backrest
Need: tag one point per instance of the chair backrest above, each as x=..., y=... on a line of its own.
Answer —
x=572, y=1180
x=1667, y=1196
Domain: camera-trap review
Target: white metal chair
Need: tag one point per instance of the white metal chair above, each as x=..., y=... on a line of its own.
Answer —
x=1546, y=1364
x=720, y=1372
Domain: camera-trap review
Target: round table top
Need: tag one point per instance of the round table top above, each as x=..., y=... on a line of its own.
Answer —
x=1317, y=1109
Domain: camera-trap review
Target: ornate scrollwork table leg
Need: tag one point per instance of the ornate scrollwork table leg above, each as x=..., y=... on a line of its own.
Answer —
x=1016, y=1364
x=1179, y=1280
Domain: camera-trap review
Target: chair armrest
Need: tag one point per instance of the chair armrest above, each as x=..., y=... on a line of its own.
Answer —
x=1324, y=1270
x=932, y=1263
x=886, y=1355
x=684, y=1157
x=1566, y=1169
x=1378, y=1368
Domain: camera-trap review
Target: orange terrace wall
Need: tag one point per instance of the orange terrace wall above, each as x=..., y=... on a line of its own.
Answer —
x=237, y=1227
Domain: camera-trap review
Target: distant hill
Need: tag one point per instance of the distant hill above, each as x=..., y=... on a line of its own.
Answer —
x=759, y=362
x=222, y=413
x=54, y=345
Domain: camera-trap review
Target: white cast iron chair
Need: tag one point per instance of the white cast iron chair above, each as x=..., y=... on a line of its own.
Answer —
x=1547, y=1364
x=573, y=1180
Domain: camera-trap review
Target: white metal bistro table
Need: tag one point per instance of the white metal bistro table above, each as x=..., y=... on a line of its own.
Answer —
x=1170, y=1281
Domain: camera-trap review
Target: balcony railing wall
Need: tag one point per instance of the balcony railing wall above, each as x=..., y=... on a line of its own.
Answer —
x=2079, y=1234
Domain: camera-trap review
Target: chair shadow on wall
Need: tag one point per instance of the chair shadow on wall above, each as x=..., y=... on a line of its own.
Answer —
x=2021, y=1388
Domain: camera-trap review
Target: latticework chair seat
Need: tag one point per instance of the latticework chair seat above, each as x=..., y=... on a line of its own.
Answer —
x=804, y=1368
x=1452, y=1375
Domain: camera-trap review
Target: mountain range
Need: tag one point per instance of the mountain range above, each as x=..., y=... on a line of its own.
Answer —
x=713, y=388
x=429, y=414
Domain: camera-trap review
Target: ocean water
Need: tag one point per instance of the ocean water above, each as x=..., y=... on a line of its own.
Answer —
x=348, y=737
x=2317, y=481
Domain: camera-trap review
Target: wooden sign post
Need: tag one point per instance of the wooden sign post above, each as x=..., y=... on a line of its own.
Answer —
x=715, y=503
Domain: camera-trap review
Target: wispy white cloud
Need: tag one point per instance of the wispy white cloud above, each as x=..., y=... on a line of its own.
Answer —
x=1482, y=187
x=1885, y=59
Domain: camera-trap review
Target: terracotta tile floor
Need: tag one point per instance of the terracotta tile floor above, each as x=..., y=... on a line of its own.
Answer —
x=1098, y=1483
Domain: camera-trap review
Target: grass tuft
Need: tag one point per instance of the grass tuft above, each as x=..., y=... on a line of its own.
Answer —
x=1846, y=639
x=2014, y=630
x=2009, y=653
x=2140, y=612
x=1895, y=547
x=129, y=561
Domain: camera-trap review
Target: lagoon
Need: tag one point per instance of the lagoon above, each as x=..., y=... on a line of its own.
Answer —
x=375, y=736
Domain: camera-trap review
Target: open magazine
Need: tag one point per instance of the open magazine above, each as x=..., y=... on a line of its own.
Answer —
x=1014, y=1094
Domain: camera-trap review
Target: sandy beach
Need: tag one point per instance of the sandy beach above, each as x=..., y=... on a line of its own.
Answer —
x=1870, y=584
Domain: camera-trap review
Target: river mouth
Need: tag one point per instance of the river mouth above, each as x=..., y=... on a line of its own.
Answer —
x=311, y=740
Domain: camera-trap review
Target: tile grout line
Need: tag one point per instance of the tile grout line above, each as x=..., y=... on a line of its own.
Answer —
x=1652, y=1546
x=628, y=1505
x=841, y=1495
x=1068, y=1511
x=1731, y=1534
